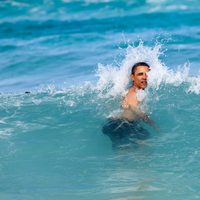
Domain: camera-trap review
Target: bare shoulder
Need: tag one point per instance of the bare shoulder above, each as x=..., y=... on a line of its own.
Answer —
x=130, y=99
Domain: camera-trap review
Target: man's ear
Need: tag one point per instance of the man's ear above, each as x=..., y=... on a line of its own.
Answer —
x=132, y=77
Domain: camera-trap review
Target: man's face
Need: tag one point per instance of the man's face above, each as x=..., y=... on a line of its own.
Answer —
x=140, y=77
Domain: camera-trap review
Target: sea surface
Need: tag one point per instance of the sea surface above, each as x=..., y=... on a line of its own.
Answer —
x=64, y=68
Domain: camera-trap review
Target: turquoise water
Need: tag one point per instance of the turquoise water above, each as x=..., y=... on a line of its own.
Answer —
x=74, y=57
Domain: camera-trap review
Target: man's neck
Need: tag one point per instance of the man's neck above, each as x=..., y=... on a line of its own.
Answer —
x=134, y=88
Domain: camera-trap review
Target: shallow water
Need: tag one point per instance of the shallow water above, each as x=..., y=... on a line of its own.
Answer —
x=75, y=58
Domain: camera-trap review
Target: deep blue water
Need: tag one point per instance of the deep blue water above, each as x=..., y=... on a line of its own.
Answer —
x=74, y=57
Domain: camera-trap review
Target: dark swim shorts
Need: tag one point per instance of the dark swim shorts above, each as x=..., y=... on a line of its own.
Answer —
x=123, y=132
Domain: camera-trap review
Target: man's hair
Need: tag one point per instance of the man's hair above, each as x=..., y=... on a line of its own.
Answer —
x=137, y=65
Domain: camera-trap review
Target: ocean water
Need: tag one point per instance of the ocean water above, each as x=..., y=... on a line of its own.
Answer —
x=64, y=68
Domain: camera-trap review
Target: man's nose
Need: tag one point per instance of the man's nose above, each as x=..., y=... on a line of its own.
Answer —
x=145, y=76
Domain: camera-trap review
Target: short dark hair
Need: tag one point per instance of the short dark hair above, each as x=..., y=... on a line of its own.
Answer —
x=137, y=65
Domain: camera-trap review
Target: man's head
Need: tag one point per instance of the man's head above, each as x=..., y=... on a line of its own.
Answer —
x=139, y=74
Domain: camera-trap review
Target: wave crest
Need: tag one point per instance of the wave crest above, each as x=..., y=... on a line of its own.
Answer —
x=114, y=80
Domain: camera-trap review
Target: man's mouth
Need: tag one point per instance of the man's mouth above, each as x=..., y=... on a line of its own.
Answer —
x=144, y=82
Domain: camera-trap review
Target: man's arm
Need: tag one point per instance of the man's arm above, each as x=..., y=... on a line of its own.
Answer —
x=149, y=121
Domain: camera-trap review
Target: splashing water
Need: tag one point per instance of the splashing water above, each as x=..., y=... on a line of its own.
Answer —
x=115, y=80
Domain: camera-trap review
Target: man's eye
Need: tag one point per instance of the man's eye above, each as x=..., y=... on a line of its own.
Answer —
x=140, y=74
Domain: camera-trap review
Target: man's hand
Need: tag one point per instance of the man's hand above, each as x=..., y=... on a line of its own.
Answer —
x=150, y=122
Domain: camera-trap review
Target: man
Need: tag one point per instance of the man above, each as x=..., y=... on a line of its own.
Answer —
x=126, y=129
x=131, y=103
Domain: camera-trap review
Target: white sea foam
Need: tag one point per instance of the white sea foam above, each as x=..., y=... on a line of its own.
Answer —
x=5, y=132
x=141, y=95
x=114, y=80
x=195, y=85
